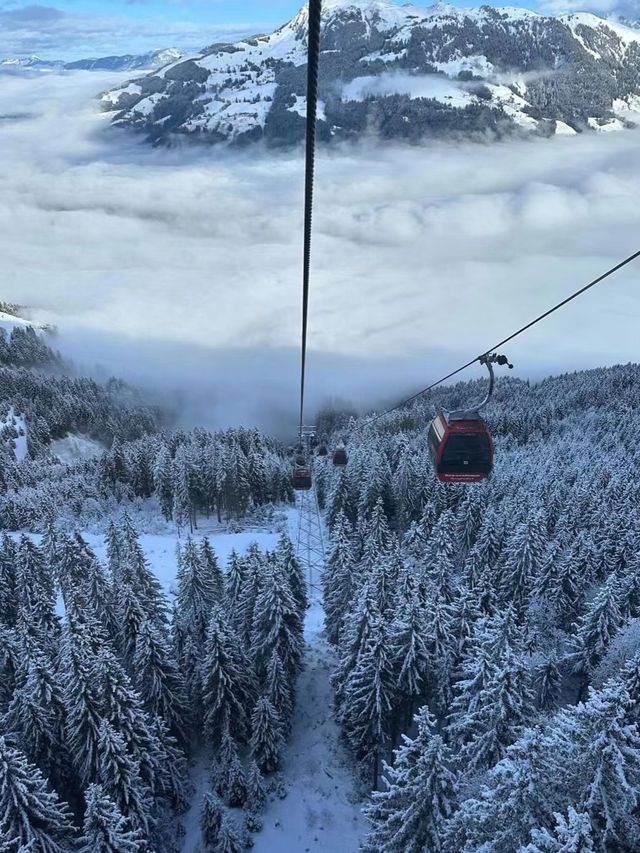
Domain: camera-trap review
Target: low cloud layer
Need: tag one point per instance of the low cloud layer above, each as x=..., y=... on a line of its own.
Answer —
x=182, y=267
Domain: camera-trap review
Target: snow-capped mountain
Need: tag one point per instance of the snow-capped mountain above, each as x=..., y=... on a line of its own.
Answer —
x=398, y=72
x=128, y=62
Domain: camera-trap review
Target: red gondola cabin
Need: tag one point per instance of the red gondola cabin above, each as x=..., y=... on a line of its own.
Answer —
x=461, y=448
x=340, y=458
x=322, y=450
x=302, y=480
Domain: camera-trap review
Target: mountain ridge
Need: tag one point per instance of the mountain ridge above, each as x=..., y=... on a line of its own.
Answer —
x=420, y=72
x=125, y=62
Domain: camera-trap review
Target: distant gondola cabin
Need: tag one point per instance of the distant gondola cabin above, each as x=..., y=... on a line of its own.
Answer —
x=302, y=479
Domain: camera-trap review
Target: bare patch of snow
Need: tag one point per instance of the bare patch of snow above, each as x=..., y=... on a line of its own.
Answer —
x=609, y=126
x=74, y=448
x=563, y=129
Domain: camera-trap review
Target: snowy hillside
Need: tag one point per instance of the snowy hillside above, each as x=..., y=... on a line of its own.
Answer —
x=398, y=72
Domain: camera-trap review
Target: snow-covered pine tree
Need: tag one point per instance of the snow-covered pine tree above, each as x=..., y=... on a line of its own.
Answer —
x=163, y=482
x=211, y=818
x=106, y=830
x=119, y=775
x=233, y=584
x=410, y=660
x=82, y=701
x=292, y=568
x=35, y=715
x=29, y=812
x=256, y=790
x=229, y=839
x=410, y=815
x=440, y=645
x=211, y=568
x=277, y=623
x=136, y=572
x=358, y=628
x=339, y=578
x=365, y=713
x=523, y=560
x=36, y=595
x=494, y=699
x=277, y=689
x=227, y=682
x=341, y=500
x=570, y=835
x=9, y=600
x=547, y=681
x=159, y=681
x=267, y=737
x=612, y=795
x=517, y=795
x=122, y=708
x=597, y=627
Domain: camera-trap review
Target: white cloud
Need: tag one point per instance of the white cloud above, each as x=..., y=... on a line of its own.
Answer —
x=629, y=10
x=184, y=265
x=52, y=33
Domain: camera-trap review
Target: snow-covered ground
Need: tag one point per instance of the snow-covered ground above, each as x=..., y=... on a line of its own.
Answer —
x=161, y=548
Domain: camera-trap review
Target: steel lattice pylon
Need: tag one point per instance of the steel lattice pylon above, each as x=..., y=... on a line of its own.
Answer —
x=310, y=537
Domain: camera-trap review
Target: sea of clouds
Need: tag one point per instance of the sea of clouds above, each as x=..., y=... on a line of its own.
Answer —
x=182, y=268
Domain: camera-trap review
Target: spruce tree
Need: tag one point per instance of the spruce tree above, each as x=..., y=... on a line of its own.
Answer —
x=517, y=795
x=163, y=482
x=211, y=818
x=211, y=568
x=29, y=812
x=410, y=815
x=277, y=624
x=159, y=681
x=409, y=657
x=294, y=573
x=256, y=791
x=368, y=701
x=82, y=702
x=339, y=578
x=105, y=829
x=227, y=682
x=597, y=627
x=229, y=840
x=267, y=738
x=278, y=689
x=570, y=835
x=35, y=715
x=119, y=775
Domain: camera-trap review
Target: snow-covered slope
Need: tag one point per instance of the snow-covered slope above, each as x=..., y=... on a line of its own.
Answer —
x=9, y=322
x=75, y=448
x=507, y=69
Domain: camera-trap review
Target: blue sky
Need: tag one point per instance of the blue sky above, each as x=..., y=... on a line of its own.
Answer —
x=71, y=29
